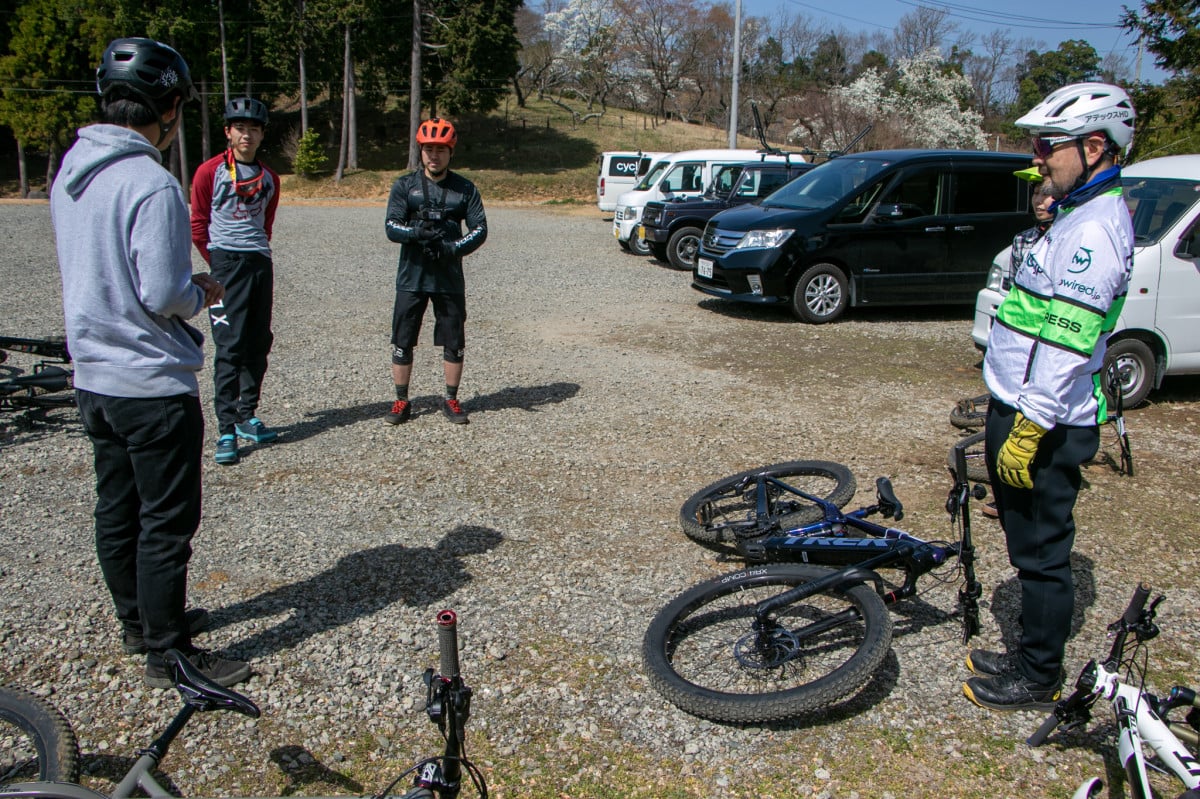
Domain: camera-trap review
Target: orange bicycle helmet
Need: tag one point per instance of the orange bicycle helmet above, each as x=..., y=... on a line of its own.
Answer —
x=437, y=131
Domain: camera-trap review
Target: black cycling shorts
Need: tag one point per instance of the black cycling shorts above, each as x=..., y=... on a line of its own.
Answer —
x=449, y=313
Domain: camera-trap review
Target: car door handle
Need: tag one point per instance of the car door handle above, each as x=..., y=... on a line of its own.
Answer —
x=963, y=228
x=938, y=229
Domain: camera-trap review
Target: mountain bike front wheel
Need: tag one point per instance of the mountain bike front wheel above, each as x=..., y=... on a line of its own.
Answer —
x=36, y=741
x=704, y=653
x=726, y=512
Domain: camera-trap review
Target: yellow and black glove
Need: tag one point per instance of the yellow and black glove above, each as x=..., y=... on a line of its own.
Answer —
x=1015, y=457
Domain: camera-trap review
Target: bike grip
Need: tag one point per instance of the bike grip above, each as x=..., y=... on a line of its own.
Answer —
x=1136, y=603
x=447, y=621
x=1043, y=732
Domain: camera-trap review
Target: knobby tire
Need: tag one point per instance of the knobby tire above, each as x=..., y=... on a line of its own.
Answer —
x=970, y=413
x=36, y=741
x=692, y=656
x=718, y=516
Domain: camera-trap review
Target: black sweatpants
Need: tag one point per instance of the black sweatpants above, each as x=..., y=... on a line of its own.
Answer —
x=1039, y=526
x=241, y=331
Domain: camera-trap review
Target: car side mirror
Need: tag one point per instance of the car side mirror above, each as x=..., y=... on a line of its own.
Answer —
x=888, y=212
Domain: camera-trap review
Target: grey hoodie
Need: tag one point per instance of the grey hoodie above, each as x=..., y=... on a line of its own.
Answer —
x=124, y=250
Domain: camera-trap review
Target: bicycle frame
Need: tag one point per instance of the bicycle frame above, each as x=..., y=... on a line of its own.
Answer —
x=1141, y=718
x=832, y=541
x=448, y=704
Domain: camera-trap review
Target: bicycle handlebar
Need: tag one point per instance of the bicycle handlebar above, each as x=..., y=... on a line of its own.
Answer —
x=1130, y=618
x=447, y=621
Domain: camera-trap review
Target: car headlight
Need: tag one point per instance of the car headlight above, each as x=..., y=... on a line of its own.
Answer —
x=764, y=239
x=996, y=278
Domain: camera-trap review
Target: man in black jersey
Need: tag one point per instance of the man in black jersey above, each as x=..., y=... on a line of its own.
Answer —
x=426, y=214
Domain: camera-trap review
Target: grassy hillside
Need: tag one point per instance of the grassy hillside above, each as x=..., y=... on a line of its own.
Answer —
x=533, y=154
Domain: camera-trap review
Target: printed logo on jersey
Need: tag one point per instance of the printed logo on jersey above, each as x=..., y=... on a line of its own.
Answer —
x=1032, y=265
x=1081, y=259
x=1077, y=287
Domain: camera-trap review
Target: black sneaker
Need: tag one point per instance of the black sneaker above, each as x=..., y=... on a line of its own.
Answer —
x=991, y=664
x=1012, y=691
x=196, y=619
x=401, y=410
x=454, y=411
x=221, y=671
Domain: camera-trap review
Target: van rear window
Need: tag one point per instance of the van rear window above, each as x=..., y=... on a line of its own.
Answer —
x=1157, y=204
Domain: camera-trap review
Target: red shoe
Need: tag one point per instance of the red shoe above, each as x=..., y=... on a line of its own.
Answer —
x=401, y=409
x=454, y=412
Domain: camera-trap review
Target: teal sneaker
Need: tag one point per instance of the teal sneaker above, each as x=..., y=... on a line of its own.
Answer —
x=254, y=430
x=227, y=450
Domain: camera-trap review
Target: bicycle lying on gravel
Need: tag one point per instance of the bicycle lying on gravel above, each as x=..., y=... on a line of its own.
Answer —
x=47, y=386
x=1141, y=718
x=39, y=754
x=787, y=634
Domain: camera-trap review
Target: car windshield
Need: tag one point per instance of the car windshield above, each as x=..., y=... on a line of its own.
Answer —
x=1157, y=204
x=824, y=184
x=652, y=176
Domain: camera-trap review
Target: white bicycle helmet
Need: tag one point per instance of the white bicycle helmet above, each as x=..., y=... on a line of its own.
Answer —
x=1084, y=108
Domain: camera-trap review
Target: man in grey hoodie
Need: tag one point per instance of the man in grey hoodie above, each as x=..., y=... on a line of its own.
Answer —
x=124, y=250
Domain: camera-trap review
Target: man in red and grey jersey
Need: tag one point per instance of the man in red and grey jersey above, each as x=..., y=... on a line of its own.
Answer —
x=234, y=197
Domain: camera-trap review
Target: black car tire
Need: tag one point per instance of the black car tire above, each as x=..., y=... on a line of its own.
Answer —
x=624, y=245
x=820, y=295
x=638, y=245
x=1136, y=365
x=683, y=246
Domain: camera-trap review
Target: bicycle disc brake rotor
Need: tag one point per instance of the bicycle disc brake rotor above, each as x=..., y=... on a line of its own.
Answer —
x=767, y=649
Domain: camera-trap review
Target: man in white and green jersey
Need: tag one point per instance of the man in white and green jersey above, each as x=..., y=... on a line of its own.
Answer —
x=1043, y=366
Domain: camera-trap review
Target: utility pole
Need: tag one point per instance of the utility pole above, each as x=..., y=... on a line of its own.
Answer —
x=737, y=74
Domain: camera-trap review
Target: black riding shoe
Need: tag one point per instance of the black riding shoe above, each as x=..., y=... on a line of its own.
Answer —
x=1012, y=691
x=991, y=664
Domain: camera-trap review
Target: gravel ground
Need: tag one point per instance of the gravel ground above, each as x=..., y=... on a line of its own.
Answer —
x=602, y=391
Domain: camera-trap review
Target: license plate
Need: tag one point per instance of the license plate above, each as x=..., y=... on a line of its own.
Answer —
x=704, y=267
x=616, y=231
x=641, y=232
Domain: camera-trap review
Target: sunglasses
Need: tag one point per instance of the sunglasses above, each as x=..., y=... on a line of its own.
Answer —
x=1044, y=145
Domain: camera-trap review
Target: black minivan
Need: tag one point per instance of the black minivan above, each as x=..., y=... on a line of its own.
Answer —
x=892, y=227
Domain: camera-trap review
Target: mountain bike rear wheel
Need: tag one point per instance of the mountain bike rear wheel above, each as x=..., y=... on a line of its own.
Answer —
x=725, y=512
x=36, y=741
x=702, y=653
x=970, y=413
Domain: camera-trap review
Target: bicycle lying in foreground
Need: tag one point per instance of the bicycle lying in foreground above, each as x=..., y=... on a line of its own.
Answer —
x=39, y=754
x=787, y=634
x=1141, y=718
x=47, y=386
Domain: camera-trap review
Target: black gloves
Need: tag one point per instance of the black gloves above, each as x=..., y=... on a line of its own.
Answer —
x=429, y=231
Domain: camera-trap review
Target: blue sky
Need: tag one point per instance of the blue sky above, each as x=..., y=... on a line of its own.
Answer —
x=1049, y=23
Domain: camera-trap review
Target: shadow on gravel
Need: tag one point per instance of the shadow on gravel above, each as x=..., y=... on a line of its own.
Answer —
x=358, y=585
x=878, y=688
x=1006, y=602
x=302, y=770
x=778, y=313
x=525, y=398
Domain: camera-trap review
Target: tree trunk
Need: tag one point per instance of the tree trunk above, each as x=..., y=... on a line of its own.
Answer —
x=351, y=109
x=22, y=169
x=51, y=166
x=205, y=132
x=185, y=177
x=414, y=89
x=224, y=59
x=520, y=94
x=303, y=77
x=341, y=167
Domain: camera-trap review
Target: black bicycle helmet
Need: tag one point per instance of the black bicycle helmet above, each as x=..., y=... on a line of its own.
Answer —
x=246, y=108
x=145, y=68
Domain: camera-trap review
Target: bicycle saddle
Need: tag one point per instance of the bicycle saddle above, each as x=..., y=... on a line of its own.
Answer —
x=889, y=505
x=202, y=693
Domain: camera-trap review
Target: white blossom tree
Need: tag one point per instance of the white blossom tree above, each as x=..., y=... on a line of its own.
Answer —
x=926, y=103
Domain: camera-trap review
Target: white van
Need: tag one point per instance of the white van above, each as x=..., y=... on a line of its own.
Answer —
x=682, y=174
x=1158, y=332
x=619, y=172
